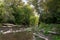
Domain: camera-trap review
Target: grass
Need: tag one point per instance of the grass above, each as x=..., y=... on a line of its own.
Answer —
x=56, y=37
x=50, y=27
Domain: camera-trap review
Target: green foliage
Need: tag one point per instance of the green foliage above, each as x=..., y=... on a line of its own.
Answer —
x=16, y=12
x=33, y=20
x=50, y=12
x=49, y=27
x=56, y=37
x=51, y=8
x=0, y=25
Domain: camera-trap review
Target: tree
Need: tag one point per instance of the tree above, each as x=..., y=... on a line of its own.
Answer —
x=54, y=10
x=14, y=11
x=38, y=8
x=49, y=8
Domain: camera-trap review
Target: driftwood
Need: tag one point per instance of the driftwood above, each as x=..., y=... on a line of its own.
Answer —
x=50, y=32
x=14, y=30
x=11, y=28
x=54, y=33
x=41, y=36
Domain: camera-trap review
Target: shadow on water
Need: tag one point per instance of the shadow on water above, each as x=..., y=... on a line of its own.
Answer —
x=17, y=36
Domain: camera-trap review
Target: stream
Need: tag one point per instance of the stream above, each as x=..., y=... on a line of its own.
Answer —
x=7, y=30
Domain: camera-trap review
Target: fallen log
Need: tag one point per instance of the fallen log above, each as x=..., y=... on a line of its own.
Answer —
x=54, y=33
x=40, y=36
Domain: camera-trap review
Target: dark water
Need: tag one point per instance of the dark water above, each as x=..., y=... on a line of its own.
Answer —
x=17, y=36
x=20, y=35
